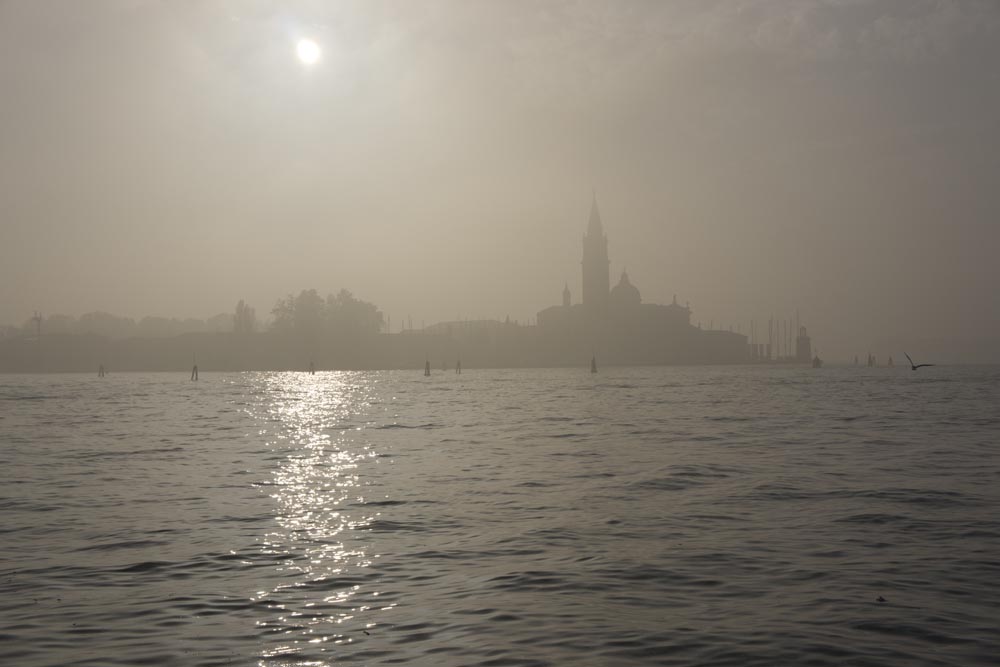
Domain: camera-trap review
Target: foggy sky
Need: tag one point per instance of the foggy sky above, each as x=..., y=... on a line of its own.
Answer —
x=752, y=157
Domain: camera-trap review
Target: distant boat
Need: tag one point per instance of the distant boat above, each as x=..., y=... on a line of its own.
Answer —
x=593, y=364
x=427, y=368
x=817, y=362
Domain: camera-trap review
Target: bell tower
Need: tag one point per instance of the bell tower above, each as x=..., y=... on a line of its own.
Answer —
x=596, y=265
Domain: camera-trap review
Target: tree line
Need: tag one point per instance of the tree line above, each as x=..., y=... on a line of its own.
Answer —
x=340, y=315
x=307, y=314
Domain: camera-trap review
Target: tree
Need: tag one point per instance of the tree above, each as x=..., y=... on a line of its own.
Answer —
x=341, y=315
x=284, y=314
x=106, y=324
x=245, y=319
x=302, y=314
x=308, y=313
x=155, y=327
x=351, y=317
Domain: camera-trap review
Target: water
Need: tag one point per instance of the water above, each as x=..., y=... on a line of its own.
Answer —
x=676, y=516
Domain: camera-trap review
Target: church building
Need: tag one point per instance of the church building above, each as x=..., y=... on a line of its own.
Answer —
x=615, y=323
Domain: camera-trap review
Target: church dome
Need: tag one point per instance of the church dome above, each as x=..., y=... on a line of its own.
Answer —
x=625, y=293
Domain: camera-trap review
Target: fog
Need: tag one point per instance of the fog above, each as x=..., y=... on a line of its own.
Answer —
x=439, y=160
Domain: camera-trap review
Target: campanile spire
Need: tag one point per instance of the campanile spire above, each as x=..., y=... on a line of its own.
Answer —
x=596, y=265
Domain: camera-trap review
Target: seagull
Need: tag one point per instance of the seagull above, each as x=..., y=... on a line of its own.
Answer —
x=914, y=366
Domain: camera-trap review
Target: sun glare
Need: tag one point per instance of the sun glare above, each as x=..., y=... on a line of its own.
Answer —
x=308, y=51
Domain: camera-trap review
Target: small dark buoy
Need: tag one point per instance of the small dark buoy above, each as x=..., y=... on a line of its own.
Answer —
x=366, y=632
x=880, y=599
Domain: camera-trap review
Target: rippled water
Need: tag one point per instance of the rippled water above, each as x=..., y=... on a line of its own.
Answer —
x=713, y=516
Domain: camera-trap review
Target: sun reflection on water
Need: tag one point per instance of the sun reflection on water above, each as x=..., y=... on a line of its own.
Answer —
x=320, y=547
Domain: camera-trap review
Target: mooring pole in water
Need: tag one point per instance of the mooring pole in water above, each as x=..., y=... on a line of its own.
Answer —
x=427, y=368
x=458, y=367
x=312, y=368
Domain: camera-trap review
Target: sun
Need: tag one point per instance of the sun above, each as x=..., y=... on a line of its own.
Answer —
x=308, y=51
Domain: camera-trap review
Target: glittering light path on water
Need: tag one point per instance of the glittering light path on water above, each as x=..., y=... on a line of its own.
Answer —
x=327, y=594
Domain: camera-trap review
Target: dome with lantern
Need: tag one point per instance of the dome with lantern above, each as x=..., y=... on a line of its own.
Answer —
x=625, y=293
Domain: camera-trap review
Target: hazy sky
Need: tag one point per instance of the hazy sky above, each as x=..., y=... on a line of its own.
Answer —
x=752, y=157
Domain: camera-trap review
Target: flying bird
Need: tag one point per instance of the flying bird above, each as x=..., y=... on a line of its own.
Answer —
x=914, y=366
